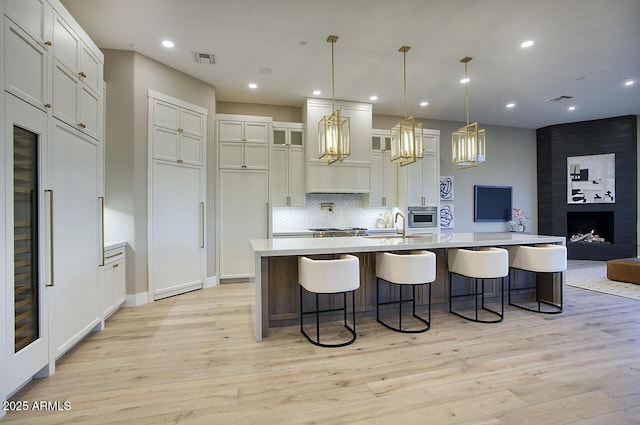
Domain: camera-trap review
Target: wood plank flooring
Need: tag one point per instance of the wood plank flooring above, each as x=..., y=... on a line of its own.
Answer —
x=192, y=359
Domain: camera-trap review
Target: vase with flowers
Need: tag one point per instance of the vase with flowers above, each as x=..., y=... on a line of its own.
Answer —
x=519, y=216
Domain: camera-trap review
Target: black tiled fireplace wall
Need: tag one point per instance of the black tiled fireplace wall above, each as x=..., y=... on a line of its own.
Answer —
x=557, y=142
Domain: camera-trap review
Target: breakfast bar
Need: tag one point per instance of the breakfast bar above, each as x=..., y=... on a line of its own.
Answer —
x=276, y=265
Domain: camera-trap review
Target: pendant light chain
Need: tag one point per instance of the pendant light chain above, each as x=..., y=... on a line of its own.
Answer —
x=404, y=54
x=466, y=90
x=333, y=84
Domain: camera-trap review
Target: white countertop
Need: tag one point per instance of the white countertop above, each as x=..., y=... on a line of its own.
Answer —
x=297, y=246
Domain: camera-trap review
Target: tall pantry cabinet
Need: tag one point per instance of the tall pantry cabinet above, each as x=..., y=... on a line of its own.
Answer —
x=177, y=131
x=243, y=191
x=51, y=188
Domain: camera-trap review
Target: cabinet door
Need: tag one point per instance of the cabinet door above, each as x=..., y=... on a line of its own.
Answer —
x=176, y=253
x=415, y=196
x=191, y=123
x=256, y=132
x=430, y=179
x=166, y=115
x=24, y=297
x=26, y=70
x=66, y=44
x=231, y=131
x=243, y=215
x=90, y=69
x=190, y=148
x=165, y=143
x=31, y=15
x=231, y=154
x=296, y=176
x=278, y=176
x=256, y=156
x=90, y=113
x=377, y=180
x=65, y=94
x=390, y=180
x=76, y=169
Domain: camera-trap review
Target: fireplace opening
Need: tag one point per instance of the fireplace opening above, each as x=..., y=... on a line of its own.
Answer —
x=590, y=227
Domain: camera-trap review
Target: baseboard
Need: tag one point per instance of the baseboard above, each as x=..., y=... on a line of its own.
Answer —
x=136, y=300
x=210, y=281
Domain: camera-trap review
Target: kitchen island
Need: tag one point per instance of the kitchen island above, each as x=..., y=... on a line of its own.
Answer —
x=276, y=296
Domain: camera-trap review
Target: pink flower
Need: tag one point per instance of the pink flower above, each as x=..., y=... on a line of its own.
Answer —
x=519, y=215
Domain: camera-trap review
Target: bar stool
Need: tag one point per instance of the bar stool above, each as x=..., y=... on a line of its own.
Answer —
x=333, y=276
x=539, y=259
x=415, y=268
x=481, y=264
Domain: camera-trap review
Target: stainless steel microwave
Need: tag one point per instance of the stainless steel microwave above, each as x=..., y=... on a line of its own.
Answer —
x=422, y=217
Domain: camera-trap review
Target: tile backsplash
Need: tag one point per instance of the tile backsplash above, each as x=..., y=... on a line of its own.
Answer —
x=347, y=212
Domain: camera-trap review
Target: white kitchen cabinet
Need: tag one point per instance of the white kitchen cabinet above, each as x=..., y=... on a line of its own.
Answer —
x=243, y=199
x=76, y=184
x=65, y=264
x=384, y=172
x=242, y=195
x=243, y=144
x=26, y=73
x=287, y=168
x=353, y=175
x=178, y=133
x=77, y=80
x=418, y=183
x=177, y=188
x=114, y=280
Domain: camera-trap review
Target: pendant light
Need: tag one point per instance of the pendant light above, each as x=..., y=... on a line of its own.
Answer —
x=334, y=131
x=407, y=135
x=468, y=142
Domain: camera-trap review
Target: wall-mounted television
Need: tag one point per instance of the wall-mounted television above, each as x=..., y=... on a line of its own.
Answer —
x=492, y=203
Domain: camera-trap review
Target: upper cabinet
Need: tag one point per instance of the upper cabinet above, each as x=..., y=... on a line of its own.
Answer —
x=178, y=133
x=353, y=175
x=418, y=183
x=243, y=144
x=287, y=170
x=77, y=80
x=384, y=173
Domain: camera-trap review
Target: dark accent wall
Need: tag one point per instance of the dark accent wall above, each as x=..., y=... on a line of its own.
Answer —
x=557, y=142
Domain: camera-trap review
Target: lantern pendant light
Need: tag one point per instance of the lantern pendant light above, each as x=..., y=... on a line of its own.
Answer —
x=468, y=142
x=407, y=135
x=334, y=131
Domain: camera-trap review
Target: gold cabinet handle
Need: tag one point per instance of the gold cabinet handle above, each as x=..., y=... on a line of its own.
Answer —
x=50, y=192
x=82, y=74
x=48, y=43
x=288, y=200
x=47, y=105
x=101, y=200
x=384, y=201
x=82, y=125
x=201, y=224
x=116, y=265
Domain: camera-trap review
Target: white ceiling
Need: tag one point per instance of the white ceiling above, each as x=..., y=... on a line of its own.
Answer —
x=583, y=48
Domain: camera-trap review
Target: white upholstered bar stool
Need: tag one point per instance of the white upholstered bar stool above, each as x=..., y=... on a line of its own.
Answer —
x=539, y=259
x=479, y=265
x=411, y=269
x=334, y=276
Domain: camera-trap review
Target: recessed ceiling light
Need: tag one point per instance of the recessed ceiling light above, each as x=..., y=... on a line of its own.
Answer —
x=425, y=103
x=526, y=44
x=572, y=108
x=317, y=92
x=629, y=83
x=511, y=105
x=253, y=86
x=167, y=43
x=374, y=97
x=464, y=80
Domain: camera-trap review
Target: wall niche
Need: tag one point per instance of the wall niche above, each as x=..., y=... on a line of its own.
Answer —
x=557, y=217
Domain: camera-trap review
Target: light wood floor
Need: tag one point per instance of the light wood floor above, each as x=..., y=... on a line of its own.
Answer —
x=192, y=359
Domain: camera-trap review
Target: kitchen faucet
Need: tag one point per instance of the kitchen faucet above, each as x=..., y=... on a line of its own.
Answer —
x=404, y=224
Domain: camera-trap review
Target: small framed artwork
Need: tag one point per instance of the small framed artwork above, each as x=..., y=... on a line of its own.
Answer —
x=591, y=179
x=446, y=188
x=446, y=216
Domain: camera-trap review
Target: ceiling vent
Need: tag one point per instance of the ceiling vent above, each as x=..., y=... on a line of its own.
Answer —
x=206, y=58
x=560, y=98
